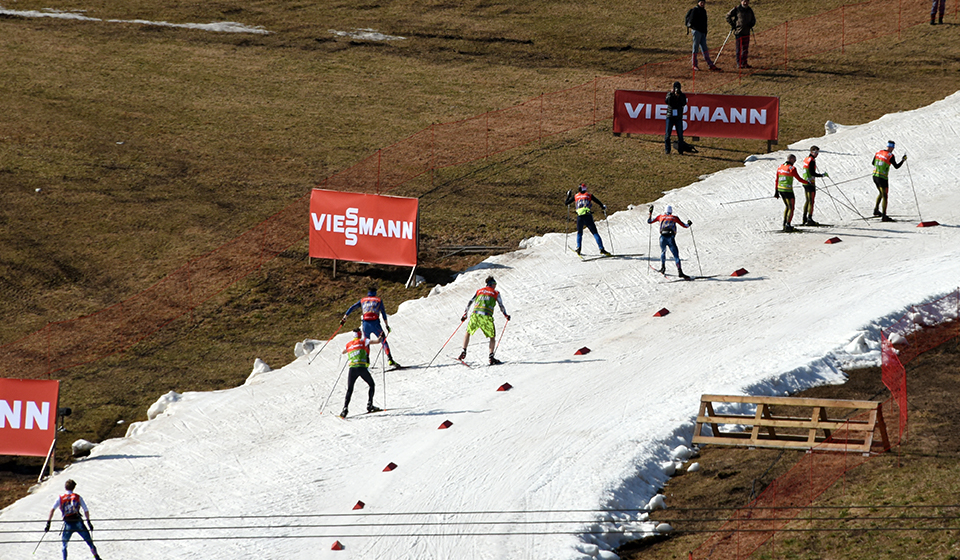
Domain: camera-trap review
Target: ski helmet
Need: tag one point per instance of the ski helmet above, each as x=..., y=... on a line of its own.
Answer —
x=372, y=291
x=669, y=210
x=891, y=144
x=583, y=187
x=491, y=282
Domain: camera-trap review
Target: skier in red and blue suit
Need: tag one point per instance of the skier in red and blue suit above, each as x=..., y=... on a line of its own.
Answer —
x=372, y=308
x=668, y=233
x=584, y=201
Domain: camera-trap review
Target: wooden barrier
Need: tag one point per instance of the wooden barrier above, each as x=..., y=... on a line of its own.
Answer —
x=802, y=424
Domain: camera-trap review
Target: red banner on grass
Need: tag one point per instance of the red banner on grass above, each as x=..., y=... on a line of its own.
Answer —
x=28, y=416
x=364, y=227
x=707, y=115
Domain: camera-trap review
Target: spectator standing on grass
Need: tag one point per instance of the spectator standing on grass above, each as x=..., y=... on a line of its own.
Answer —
x=742, y=22
x=73, y=508
x=668, y=238
x=481, y=318
x=881, y=169
x=676, y=101
x=584, y=206
x=358, y=358
x=786, y=173
x=697, y=21
x=938, y=5
x=372, y=309
x=810, y=189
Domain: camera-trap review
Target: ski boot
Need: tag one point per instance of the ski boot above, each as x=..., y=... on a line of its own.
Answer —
x=393, y=364
x=577, y=251
x=885, y=218
x=372, y=408
x=343, y=413
x=877, y=212
x=494, y=361
x=605, y=253
x=681, y=274
x=462, y=356
x=662, y=269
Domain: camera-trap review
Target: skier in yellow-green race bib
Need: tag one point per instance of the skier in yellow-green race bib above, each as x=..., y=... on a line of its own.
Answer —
x=481, y=318
x=881, y=169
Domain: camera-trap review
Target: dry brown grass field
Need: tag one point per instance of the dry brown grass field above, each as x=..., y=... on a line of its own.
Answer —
x=154, y=145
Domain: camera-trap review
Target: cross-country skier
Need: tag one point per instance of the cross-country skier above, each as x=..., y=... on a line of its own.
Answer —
x=810, y=190
x=481, y=318
x=372, y=309
x=881, y=169
x=73, y=508
x=668, y=233
x=584, y=201
x=358, y=359
x=786, y=173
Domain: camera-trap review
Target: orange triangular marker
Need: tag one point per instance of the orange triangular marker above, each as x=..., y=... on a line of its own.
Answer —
x=582, y=351
x=928, y=224
x=832, y=240
x=336, y=546
x=359, y=505
x=446, y=424
x=389, y=467
x=662, y=312
x=505, y=387
x=739, y=272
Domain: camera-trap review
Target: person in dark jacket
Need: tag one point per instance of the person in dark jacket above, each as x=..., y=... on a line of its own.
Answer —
x=697, y=18
x=584, y=207
x=742, y=22
x=676, y=101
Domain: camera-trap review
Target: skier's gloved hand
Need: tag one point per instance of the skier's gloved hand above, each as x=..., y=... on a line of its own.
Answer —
x=389, y=330
x=46, y=527
x=507, y=316
x=651, y=209
x=689, y=223
x=569, y=193
x=776, y=194
x=464, y=318
x=904, y=157
x=343, y=320
x=90, y=525
x=605, y=206
x=826, y=174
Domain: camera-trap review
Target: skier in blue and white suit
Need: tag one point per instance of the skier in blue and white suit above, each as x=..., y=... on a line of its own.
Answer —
x=668, y=233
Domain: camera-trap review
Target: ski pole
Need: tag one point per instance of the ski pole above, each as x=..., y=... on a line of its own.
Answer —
x=695, y=252
x=744, y=200
x=851, y=206
x=649, y=236
x=445, y=343
x=501, y=336
x=721, y=47
x=915, y=199
x=324, y=407
x=40, y=541
x=609, y=233
x=566, y=238
x=310, y=361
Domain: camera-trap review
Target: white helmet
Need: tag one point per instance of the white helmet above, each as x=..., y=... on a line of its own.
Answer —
x=669, y=210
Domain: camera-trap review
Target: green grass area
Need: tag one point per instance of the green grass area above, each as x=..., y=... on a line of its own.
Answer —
x=152, y=146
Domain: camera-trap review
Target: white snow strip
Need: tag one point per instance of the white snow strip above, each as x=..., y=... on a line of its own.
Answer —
x=576, y=432
x=218, y=26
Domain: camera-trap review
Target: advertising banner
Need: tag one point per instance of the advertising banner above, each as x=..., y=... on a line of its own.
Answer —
x=364, y=227
x=706, y=115
x=28, y=416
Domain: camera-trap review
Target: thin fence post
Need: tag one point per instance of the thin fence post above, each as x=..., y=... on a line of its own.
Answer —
x=786, y=38
x=540, y=123
x=843, y=28
x=380, y=151
x=486, y=135
x=596, y=79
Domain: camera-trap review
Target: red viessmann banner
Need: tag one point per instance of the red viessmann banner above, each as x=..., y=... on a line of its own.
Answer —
x=708, y=115
x=364, y=227
x=28, y=416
